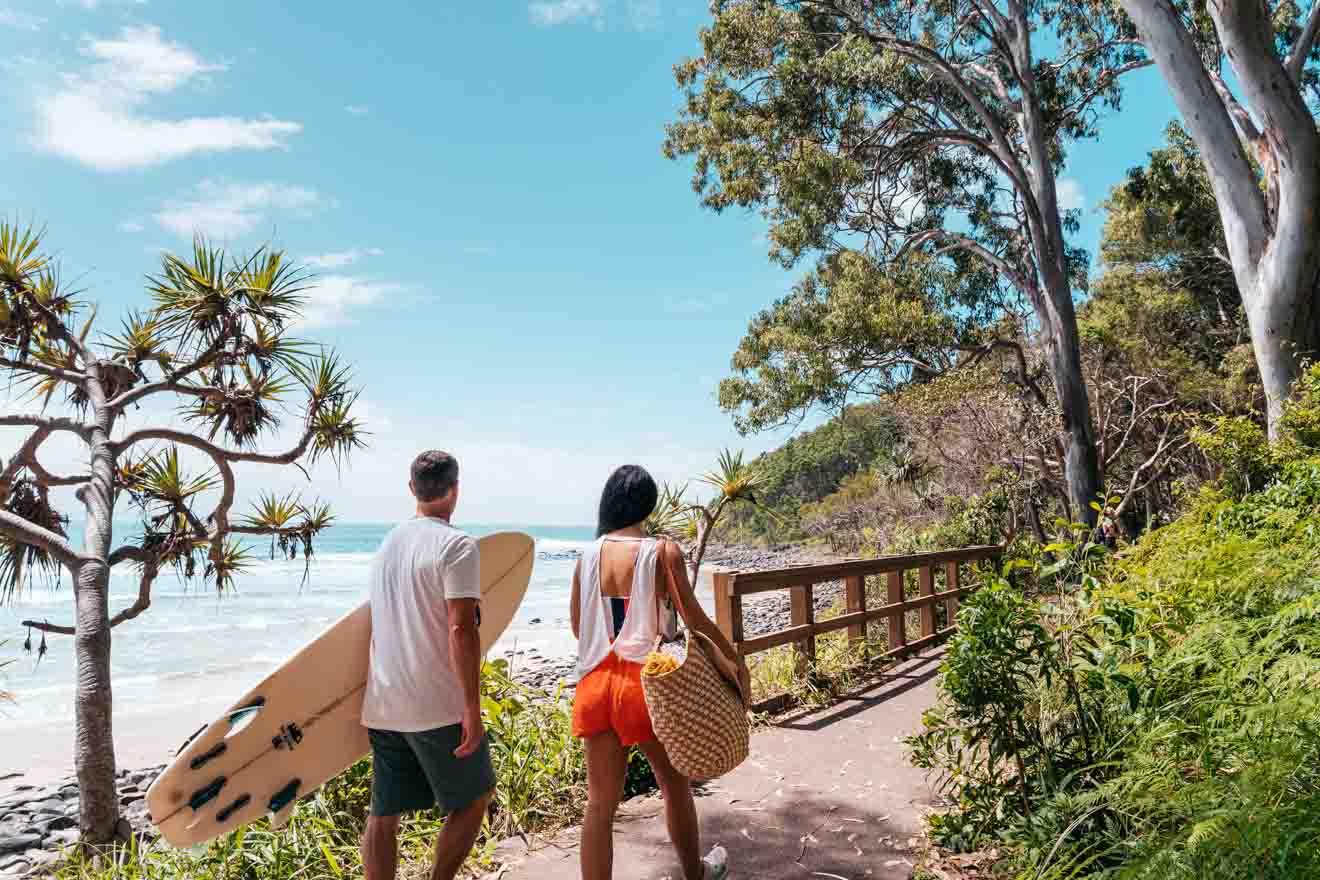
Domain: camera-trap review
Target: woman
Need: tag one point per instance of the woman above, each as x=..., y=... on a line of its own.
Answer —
x=618, y=588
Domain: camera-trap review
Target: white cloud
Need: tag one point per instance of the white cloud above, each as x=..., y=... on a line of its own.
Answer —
x=357, y=109
x=339, y=259
x=225, y=210
x=96, y=4
x=644, y=14
x=1071, y=196
x=99, y=117
x=24, y=21
x=549, y=13
x=330, y=298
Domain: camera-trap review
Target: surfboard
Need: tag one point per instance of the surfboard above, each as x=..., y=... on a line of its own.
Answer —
x=301, y=726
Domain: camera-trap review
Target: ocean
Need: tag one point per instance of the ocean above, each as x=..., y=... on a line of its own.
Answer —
x=194, y=646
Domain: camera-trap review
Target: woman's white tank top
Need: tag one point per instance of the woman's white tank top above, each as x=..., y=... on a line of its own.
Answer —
x=641, y=625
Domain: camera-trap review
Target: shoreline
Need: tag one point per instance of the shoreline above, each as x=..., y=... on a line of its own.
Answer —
x=38, y=799
x=40, y=752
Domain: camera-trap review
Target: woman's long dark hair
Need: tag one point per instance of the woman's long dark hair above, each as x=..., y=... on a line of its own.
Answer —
x=629, y=496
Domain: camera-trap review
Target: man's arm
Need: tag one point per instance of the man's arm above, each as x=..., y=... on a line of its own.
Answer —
x=465, y=657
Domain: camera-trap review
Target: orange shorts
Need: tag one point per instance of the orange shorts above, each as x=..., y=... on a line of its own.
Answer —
x=610, y=698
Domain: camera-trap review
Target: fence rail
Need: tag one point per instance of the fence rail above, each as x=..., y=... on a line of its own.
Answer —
x=801, y=581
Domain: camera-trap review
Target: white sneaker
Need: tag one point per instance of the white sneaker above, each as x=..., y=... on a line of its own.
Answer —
x=717, y=863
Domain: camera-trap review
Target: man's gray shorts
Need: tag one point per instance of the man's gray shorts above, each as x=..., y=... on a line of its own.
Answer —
x=417, y=771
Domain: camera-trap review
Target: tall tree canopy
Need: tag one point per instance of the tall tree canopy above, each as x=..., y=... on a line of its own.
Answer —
x=217, y=346
x=1241, y=72
x=934, y=127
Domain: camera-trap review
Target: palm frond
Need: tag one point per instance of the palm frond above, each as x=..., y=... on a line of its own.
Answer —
x=733, y=478
x=335, y=431
x=20, y=258
x=234, y=560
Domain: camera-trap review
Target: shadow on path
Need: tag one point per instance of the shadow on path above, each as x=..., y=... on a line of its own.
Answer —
x=824, y=794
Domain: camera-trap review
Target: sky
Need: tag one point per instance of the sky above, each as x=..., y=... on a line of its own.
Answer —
x=515, y=271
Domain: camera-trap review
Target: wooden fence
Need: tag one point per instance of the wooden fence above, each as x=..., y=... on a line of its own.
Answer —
x=731, y=587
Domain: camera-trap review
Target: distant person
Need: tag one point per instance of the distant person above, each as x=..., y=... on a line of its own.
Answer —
x=617, y=589
x=422, y=706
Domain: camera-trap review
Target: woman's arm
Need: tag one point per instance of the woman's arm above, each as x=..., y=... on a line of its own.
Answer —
x=685, y=600
x=574, y=612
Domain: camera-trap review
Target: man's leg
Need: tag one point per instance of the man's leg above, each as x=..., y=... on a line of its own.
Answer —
x=380, y=847
x=457, y=837
x=398, y=785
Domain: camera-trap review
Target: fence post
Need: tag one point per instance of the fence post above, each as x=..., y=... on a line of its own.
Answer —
x=728, y=608
x=897, y=624
x=855, y=590
x=802, y=610
x=927, y=579
x=952, y=582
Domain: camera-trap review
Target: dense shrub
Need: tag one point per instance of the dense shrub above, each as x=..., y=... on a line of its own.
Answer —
x=1162, y=720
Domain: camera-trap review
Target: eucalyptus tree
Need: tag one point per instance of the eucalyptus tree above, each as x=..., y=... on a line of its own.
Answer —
x=935, y=126
x=216, y=344
x=1244, y=76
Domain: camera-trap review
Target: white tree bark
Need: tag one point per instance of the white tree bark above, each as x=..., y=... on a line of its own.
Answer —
x=1271, y=231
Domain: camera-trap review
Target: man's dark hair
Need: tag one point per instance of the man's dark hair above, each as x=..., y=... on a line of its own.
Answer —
x=628, y=498
x=434, y=473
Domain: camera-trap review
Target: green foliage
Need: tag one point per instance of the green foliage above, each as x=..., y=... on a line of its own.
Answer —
x=1176, y=692
x=541, y=783
x=809, y=467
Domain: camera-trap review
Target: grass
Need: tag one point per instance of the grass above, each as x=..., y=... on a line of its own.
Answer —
x=541, y=787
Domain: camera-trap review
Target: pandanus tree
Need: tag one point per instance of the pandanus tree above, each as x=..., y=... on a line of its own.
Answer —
x=216, y=346
x=735, y=482
x=927, y=126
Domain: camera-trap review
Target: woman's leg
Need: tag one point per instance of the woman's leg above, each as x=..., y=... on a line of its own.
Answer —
x=680, y=810
x=607, y=766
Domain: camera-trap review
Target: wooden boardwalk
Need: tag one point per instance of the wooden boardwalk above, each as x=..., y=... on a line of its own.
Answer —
x=826, y=794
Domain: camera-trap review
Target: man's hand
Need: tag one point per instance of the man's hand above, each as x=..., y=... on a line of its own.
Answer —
x=474, y=730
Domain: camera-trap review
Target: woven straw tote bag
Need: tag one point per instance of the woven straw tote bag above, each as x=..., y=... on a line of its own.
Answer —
x=698, y=714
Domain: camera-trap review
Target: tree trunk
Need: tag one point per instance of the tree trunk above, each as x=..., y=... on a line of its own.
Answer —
x=1064, y=355
x=1270, y=232
x=95, y=752
x=95, y=745
x=1285, y=331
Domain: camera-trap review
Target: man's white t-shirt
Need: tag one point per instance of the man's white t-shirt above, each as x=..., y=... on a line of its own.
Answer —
x=411, y=685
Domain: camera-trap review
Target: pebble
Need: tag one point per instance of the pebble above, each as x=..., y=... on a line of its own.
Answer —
x=36, y=823
x=19, y=842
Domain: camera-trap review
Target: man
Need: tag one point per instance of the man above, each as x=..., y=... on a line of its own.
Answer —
x=422, y=706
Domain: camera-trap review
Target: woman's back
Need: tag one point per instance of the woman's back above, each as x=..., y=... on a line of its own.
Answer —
x=617, y=570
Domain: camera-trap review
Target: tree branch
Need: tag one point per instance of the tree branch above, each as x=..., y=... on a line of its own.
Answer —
x=149, y=570
x=41, y=369
x=54, y=629
x=1296, y=60
x=217, y=453
x=30, y=533
x=172, y=380
x=128, y=553
x=1242, y=204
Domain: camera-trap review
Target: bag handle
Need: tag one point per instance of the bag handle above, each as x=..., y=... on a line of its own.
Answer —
x=726, y=667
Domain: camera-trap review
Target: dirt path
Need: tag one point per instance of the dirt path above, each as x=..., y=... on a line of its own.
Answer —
x=827, y=794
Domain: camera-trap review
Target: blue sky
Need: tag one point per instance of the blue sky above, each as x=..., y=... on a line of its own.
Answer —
x=514, y=269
